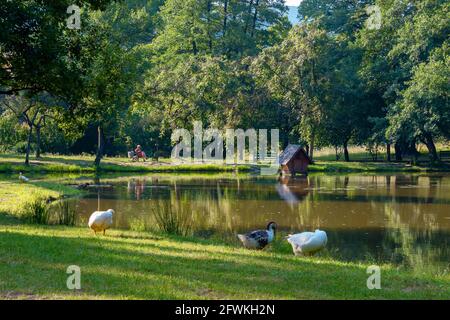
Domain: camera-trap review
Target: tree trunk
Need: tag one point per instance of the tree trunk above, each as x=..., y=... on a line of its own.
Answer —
x=255, y=18
x=209, y=7
x=388, y=152
x=27, y=156
x=428, y=140
x=247, y=20
x=194, y=47
x=311, y=147
x=101, y=146
x=398, y=152
x=38, y=142
x=346, y=155
x=225, y=17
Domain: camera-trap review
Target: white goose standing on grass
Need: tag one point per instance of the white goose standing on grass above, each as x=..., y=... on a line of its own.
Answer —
x=308, y=243
x=101, y=220
x=22, y=178
x=260, y=238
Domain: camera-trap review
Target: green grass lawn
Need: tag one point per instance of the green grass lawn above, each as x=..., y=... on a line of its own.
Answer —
x=14, y=195
x=341, y=166
x=84, y=164
x=133, y=265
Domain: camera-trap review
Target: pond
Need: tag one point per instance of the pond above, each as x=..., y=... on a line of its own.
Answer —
x=398, y=219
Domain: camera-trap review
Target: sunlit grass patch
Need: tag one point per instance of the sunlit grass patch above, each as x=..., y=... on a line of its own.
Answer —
x=85, y=164
x=341, y=166
x=16, y=198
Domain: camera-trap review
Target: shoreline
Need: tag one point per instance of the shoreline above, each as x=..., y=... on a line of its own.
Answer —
x=74, y=164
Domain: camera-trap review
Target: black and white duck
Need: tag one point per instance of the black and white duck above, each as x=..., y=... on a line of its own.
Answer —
x=259, y=239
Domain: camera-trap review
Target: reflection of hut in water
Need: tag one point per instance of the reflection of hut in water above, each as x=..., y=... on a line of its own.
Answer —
x=294, y=160
x=293, y=190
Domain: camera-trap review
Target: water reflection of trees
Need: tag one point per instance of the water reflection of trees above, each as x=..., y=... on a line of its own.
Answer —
x=410, y=233
x=415, y=247
x=392, y=217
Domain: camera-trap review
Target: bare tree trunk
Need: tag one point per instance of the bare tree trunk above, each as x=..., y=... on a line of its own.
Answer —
x=428, y=140
x=30, y=135
x=311, y=147
x=247, y=20
x=346, y=155
x=101, y=146
x=194, y=47
x=38, y=142
x=398, y=152
x=255, y=18
x=210, y=43
x=225, y=17
x=388, y=152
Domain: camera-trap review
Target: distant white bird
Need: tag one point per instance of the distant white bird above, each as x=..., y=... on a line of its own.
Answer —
x=101, y=220
x=260, y=238
x=308, y=243
x=22, y=178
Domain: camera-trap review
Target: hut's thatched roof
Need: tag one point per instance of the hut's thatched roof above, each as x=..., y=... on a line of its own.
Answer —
x=290, y=152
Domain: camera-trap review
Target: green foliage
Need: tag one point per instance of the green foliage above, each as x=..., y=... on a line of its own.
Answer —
x=64, y=213
x=37, y=210
x=172, y=218
x=140, y=68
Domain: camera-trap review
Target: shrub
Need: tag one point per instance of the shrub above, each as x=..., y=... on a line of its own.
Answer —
x=64, y=212
x=173, y=218
x=37, y=210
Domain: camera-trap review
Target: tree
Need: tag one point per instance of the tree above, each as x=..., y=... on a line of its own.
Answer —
x=336, y=16
x=229, y=27
x=37, y=51
x=410, y=32
x=299, y=71
x=33, y=112
x=115, y=69
x=424, y=106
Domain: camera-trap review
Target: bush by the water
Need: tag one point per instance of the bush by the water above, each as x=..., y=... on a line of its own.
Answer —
x=37, y=210
x=64, y=212
x=42, y=210
x=173, y=218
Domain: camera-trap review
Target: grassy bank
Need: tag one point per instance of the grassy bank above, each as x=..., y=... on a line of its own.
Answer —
x=84, y=164
x=15, y=196
x=341, y=166
x=132, y=265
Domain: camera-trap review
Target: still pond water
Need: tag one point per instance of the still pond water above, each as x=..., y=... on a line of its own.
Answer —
x=400, y=219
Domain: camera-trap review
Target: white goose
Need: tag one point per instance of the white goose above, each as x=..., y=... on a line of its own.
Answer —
x=308, y=243
x=260, y=238
x=101, y=220
x=22, y=178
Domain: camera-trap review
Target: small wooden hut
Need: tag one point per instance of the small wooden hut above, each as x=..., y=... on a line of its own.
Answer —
x=293, y=160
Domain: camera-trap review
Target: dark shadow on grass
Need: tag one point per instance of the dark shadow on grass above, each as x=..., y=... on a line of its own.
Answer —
x=8, y=220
